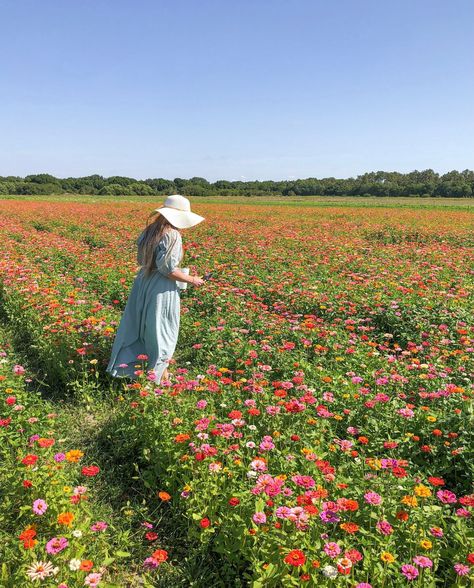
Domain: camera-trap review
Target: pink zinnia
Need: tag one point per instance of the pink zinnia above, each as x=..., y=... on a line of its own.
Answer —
x=384, y=527
x=39, y=506
x=304, y=481
x=332, y=549
x=422, y=561
x=461, y=569
x=259, y=518
x=99, y=526
x=364, y=585
x=409, y=571
x=92, y=580
x=446, y=496
x=373, y=498
x=56, y=544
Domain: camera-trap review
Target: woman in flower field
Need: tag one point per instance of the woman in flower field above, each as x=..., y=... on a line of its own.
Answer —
x=149, y=326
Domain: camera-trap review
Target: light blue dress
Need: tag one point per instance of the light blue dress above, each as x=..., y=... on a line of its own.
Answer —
x=150, y=321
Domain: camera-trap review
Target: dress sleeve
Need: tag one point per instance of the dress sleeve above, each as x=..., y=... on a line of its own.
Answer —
x=168, y=252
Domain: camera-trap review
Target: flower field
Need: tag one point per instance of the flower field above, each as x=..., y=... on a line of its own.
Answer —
x=317, y=430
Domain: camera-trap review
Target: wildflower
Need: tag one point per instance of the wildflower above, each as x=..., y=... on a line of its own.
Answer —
x=410, y=501
x=329, y=572
x=436, y=481
x=56, y=544
x=422, y=491
x=426, y=544
x=461, y=569
x=409, y=571
x=422, y=561
x=74, y=564
x=39, y=506
x=344, y=566
x=259, y=518
x=41, y=570
x=332, y=549
x=99, y=526
x=387, y=557
x=295, y=558
x=150, y=563
x=92, y=579
x=90, y=470
x=446, y=496
x=349, y=527
x=354, y=555
x=160, y=555
x=65, y=518
x=74, y=455
x=373, y=498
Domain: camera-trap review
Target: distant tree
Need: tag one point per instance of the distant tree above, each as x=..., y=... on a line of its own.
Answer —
x=119, y=180
x=114, y=190
x=141, y=189
x=160, y=185
x=42, y=179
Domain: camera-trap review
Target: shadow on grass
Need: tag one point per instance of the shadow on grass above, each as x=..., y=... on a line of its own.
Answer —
x=120, y=490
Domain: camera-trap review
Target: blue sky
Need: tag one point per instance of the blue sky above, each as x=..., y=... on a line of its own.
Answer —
x=235, y=89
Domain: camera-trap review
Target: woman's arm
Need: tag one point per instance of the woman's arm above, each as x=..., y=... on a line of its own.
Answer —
x=180, y=276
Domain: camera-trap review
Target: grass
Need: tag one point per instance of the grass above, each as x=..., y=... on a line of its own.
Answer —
x=312, y=201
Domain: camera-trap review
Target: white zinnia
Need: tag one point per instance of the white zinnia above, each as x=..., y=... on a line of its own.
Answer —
x=41, y=570
x=74, y=565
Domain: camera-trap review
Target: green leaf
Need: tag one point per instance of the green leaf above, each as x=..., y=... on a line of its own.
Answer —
x=122, y=554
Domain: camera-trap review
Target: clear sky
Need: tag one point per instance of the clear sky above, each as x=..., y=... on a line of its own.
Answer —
x=235, y=89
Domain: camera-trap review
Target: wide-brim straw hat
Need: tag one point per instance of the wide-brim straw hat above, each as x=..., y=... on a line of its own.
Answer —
x=177, y=211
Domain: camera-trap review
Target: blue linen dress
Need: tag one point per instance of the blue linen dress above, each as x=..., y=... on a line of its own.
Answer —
x=150, y=321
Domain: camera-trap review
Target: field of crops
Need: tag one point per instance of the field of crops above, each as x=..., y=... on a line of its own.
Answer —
x=317, y=430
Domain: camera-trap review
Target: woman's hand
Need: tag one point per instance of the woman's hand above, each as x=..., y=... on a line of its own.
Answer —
x=197, y=281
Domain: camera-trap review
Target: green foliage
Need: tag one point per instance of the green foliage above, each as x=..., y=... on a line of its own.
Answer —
x=426, y=183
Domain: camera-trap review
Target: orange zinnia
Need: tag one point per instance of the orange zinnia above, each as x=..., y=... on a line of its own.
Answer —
x=349, y=527
x=65, y=518
x=164, y=496
x=74, y=455
x=181, y=438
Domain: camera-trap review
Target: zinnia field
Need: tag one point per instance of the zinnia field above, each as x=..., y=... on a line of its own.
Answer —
x=317, y=430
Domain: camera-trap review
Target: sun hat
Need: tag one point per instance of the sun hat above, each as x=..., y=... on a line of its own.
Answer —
x=177, y=211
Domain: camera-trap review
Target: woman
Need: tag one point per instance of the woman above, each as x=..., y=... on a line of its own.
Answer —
x=150, y=322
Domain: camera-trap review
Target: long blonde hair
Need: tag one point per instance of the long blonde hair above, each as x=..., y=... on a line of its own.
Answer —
x=150, y=238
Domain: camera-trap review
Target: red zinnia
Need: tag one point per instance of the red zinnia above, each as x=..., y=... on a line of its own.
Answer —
x=205, y=523
x=436, y=481
x=295, y=558
x=160, y=555
x=90, y=470
x=29, y=459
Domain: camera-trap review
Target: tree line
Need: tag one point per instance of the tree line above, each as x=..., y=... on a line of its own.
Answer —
x=424, y=184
